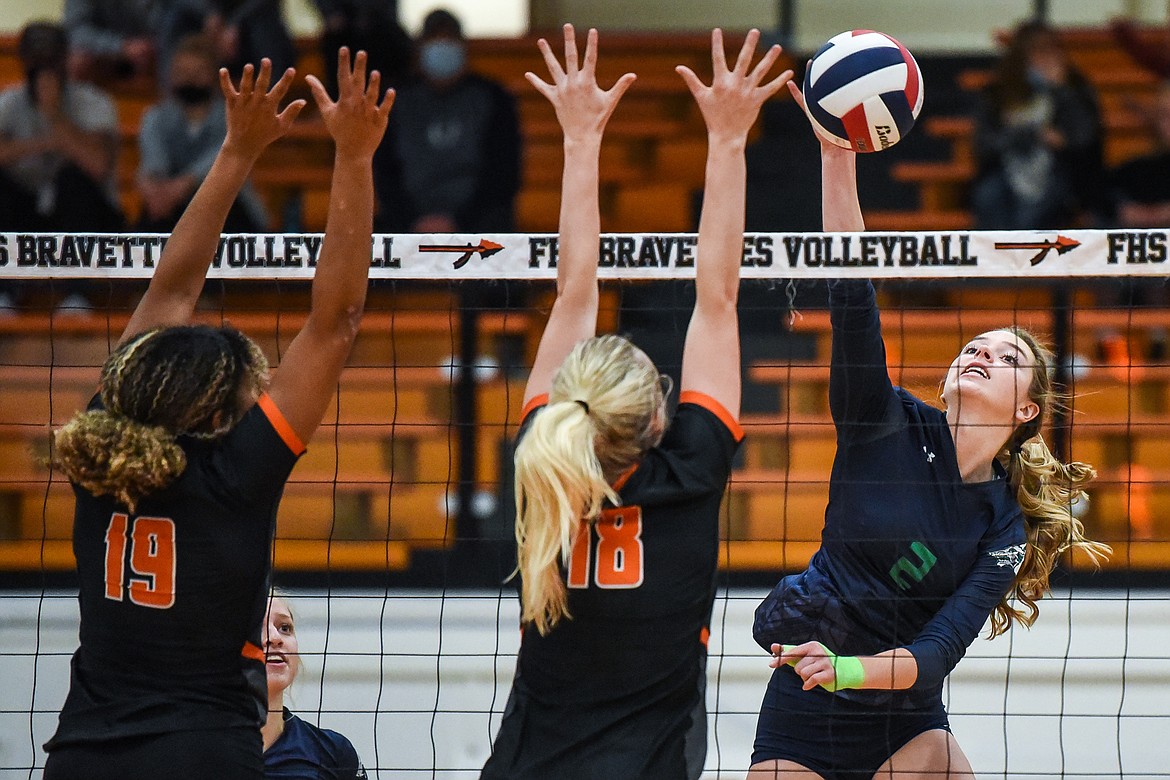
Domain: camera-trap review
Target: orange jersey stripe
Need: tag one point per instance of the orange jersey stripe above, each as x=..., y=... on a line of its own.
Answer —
x=704, y=635
x=715, y=408
x=255, y=653
x=533, y=403
x=287, y=434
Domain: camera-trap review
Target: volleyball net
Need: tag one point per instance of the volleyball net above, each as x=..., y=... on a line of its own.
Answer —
x=394, y=536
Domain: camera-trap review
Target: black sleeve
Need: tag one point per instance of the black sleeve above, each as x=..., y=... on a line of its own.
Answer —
x=941, y=644
x=861, y=396
x=492, y=204
x=701, y=441
x=253, y=461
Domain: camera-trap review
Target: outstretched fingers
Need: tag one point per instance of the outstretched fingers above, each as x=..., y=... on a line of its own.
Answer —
x=571, y=49
x=718, y=56
x=590, y=65
x=619, y=88
x=225, y=85
x=281, y=87
x=550, y=60
x=746, y=51
x=693, y=82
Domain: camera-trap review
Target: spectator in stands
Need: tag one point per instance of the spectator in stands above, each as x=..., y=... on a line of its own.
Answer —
x=451, y=159
x=111, y=39
x=58, y=145
x=1138, y=196
x=241, y=31
x=1038, y=138
x=1154, y=56
x=179, y=140
x=370, y=26
x=292, y=747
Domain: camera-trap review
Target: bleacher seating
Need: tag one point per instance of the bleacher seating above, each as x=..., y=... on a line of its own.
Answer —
x=375, y=482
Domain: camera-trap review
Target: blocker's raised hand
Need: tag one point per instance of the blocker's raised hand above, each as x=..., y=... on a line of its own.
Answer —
x=253, y=116
x=357, y=121
x=732, y=102
x=582, y=106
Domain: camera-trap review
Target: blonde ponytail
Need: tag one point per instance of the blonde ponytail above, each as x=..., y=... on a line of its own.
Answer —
x=604, y=412
x=1046, y=490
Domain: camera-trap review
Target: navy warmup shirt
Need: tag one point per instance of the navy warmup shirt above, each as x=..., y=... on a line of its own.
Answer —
x=617, y=690
x=910, y=555
x=305, y=752
x=173, y=597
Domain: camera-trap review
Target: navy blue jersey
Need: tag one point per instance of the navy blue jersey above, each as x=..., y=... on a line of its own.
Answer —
x=305, y=752
x=910, y=556
x=173, y=596
x=614, y=690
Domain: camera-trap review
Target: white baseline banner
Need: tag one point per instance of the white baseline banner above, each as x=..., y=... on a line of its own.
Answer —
x=990, y=254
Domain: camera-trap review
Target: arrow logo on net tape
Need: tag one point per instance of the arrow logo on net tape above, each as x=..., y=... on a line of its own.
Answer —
x=1062, y=244
x=485, y=249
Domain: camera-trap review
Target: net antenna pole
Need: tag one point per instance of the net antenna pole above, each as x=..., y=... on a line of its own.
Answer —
x=466, y=416
x=785, y=22
x=1062, y=372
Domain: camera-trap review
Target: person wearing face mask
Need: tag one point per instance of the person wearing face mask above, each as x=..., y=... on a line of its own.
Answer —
x=1038, y=138
x=178, y=142
x=293, y=748
x=451, y=161
x=58, y=146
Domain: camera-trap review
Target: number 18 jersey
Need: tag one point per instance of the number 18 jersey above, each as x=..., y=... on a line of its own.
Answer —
x=617, y=689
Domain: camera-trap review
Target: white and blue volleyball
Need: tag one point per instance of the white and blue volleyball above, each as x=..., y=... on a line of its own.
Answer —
x=863, y=90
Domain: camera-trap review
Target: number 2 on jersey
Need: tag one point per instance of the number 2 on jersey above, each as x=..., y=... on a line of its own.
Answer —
x=619, y=550
x=152, y=560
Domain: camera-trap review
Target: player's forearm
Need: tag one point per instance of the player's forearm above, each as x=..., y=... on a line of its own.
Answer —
x=840, y=207
x=580, y=224
x=194, y=241
x=342, y=277
x=893, y=670
x=720, y=246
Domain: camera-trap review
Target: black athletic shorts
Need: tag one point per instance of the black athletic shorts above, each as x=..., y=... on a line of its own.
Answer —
x=834, y=737
x=223, y=754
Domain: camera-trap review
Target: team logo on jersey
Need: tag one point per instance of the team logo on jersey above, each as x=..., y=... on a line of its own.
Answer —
x=1009, y=556
x=928, y=453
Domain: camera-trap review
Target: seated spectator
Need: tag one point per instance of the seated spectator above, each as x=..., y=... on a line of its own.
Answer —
x=240, y=31
x=450, y=161
x=365, y=25
x=294, y=749
x=1038, y=138
x=1154, y=56
x=1138, y=193
x=58, y=146
x=179, y=140
x=111, y=39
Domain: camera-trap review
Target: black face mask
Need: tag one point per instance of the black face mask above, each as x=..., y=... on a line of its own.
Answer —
x=191, y=94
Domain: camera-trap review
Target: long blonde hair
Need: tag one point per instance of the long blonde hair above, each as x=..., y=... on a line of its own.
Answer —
x=161, y=384
x=1046, y=489
x=605, y=411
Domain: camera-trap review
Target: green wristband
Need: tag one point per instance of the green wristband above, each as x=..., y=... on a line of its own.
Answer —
x=847, y=669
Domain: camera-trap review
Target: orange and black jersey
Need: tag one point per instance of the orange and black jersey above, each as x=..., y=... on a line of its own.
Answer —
x=614, y=690
x=172, y=596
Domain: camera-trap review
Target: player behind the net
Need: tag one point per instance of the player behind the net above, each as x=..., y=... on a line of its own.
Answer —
x=179, y=463
x=937, y=519
x=617, y=522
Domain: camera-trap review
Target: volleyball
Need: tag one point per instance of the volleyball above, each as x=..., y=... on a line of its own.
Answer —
x=863, y=91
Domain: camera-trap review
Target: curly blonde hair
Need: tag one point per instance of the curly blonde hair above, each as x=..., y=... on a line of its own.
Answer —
x=188, y=380
x=1046, y=489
